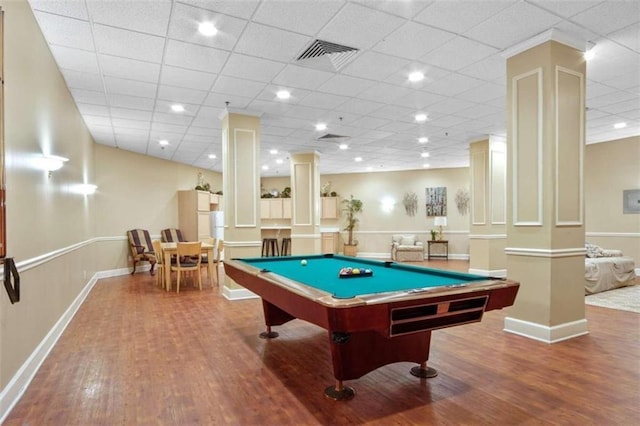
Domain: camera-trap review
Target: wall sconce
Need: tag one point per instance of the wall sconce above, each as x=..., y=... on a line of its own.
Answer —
x=85, y=188
x=50, y=163
x=387, y=204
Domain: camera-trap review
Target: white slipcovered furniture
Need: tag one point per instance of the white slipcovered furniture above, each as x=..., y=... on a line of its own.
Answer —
x=607, y=269
x=406, y=248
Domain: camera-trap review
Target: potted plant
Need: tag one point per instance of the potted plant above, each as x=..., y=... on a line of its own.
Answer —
x=351, y=207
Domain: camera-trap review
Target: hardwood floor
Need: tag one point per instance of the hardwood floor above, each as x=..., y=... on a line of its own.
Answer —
x=134, y=354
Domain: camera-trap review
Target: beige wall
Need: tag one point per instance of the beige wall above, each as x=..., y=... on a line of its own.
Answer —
x=376, y=225
x=76, y=236
x=59, y=238
x=611, y=168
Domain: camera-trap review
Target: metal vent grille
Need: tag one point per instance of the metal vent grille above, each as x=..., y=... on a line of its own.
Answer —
x=337, y=54
x=331, y=136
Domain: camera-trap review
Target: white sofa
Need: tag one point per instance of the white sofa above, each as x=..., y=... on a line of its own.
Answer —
x=406, y=248
x=607, y=269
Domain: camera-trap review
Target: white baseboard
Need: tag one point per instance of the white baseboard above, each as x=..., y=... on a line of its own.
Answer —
x=546, y=334
x=237, y=293
x=18, y=384
x=501, y=273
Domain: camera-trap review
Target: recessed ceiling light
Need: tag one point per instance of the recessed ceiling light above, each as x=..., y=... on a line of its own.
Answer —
x=620, y=125
x=357, y=159
x=321, y=126
x=273, y=151
x=343, y=146
x=283, y=94
x=426, y=165
x=177, y=108
x=421, y=117
x=279, y=161
x=163, y=142
x=207, y=29
x=423, y=139
x=265, y=167
x=416, y=76
x=589, y=55
x=424, y=155
x=212, y=156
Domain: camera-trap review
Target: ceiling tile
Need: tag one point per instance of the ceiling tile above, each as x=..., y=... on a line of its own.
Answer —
x=63, y=31
x=358, y=26
x=271, y=43
x=75, y=59
x=251, y=68
x=513, y=25
x=403, y=8
x=237, y=86
x=181, y=94
x=131, y=124
x=457, y=53
x=88, y=96
x=131, y=114
x=360, y=106
x=184, y=27
x=91, y=109
x=459, y=16
x=242, y=9
x=82, y=80
x=375, y=66
x=131, y=102
x=130, y=87
x=412, y=41
x=302, y=17
x=323, y=100
x=129, y=68
x=128, y=44
x=194, y=57
x=301, y=77
x=345, y=85
x=180, y=77
x=606, y=19
x=70, y=8
x=151, y=17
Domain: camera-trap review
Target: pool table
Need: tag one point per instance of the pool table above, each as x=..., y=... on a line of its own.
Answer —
x=373, y=319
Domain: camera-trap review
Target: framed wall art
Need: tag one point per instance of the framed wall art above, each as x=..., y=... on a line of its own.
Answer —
x=436, y=201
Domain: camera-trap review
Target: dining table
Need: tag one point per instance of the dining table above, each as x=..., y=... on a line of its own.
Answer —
x=171, y=249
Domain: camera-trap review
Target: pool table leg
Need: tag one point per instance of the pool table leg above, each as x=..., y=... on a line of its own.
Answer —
x=269, y=334
x=339, y=392
x=423, y=371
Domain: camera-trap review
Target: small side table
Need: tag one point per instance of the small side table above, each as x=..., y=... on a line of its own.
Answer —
x=438, y=255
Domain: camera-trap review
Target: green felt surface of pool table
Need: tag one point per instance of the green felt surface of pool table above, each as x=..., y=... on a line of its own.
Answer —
x=322, y=272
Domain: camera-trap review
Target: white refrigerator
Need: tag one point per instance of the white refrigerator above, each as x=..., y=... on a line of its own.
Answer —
x=217, y=225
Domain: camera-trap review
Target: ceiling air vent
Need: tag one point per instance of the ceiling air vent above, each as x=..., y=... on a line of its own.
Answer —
x=327, y=56
x=331, y=137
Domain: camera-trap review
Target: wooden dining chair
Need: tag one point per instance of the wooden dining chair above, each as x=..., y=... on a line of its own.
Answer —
x=218, y=260
x=157, y=249
x=188, y=260
x=204, y=257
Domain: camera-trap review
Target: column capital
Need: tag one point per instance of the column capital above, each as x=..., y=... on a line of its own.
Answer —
x=551, y=35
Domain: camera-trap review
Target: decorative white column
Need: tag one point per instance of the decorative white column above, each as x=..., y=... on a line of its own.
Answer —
x=545, y=220
x=241, y=188
x=488, y=238
x=305, y=189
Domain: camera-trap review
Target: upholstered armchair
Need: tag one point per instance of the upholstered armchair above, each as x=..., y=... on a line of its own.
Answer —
x=406, y=248
x=172, y=235
x=141, y=248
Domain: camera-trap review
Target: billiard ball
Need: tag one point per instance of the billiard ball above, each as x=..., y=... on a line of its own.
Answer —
x=303, y=262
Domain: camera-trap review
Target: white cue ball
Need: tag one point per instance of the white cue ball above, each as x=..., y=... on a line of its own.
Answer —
x=303, y=262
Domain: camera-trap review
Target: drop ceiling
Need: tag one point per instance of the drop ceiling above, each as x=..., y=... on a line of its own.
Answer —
x=126, y=62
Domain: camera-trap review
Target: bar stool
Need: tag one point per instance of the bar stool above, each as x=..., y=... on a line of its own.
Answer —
x=270, y=245
x=286, y=247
